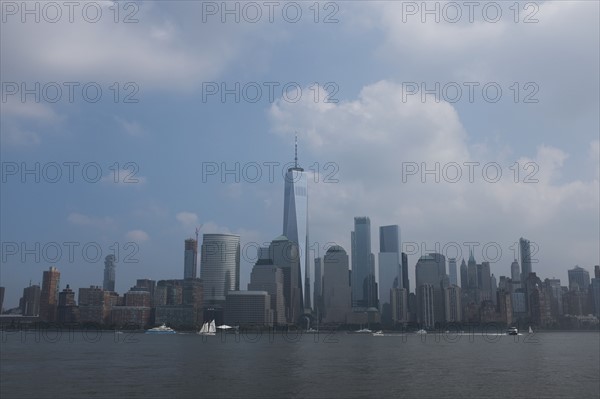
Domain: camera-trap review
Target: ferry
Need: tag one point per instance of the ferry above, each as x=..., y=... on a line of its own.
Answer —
x=513, y=331
x=421, y=332
x=162, y=329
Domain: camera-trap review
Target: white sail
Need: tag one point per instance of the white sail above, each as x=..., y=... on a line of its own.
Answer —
x=204, y=329
x=530, y=330
x=212, y=328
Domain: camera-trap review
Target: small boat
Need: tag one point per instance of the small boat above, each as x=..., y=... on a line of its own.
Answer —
x=208, y=328
x=513, y=331
x=363, y=331
x=530, y=330
x=421, y=332
x=378, y=333
x=162, y=329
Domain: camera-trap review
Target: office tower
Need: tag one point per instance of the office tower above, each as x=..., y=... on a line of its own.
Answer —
x=244, y=308
x=190, y=259
x=515, y=275
x=484, y=281
x=30, y=303
x=399, y=299
x=431, y=270
x=67, y=310
x=283, y=254
x=595, y=288
x=538, y=305
x=425, y=305
x=109, y=273
x=318, y=286
x=336, y=285
x=525, y=249
x=147, y=285
x=364, y=287
x=49, y=294
x=464, y=276
x=220, y=266
x=494, y=289
x=453, y=278
x=504, y=299
x=269, y=278
x=472, y=272
x=390, y=268
x=1, y=298
x=405, y=282
x=453, y=304
x=579, y=279
x=554, y=292
x=295, y=219
x=95, y=305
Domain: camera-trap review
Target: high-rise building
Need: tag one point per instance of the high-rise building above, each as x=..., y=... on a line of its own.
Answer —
x=109, y=273
x=248, y=308
x=425, y=305
x=515, y=274
x=49, y=294
x=364, y=286
x=579, y=279
x=494, y=289
x=400, y=313
x=190, y=259
x=525, y=250
x=269, y=278
x=484, y=281
x=30, y=303
x=464, y=275
x=295, y=219
x=220, y=267
x=390, y=268
x=554, y=293
x=67, y=310
x=95, y=305
x=336, y=285
x=452, y=303
x=431, y=270
x=452, y=276
x=595, y=291
x=472, y=272
x=318, y=286
x=405, y=282
x=1, y=298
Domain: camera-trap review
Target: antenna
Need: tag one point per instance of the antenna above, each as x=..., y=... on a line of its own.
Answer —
x=296, y=151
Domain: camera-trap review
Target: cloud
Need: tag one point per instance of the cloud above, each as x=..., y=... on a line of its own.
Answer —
x=372, y=139
x=138, y=236
x=187, y=219
x=127, y=177
x=131, y=128
x=80, y=219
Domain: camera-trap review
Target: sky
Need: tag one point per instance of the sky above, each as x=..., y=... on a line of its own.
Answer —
x=126, y=125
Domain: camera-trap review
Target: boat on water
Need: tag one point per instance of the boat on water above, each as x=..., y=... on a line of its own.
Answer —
x=162, y=329
x=530, y=330
x=363, y=331
x=421, y=332
x=208, y=328
x=513, y=331
x=378, y=333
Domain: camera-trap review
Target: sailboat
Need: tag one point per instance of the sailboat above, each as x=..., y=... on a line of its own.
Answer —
x=208, y=328
x=530, y=330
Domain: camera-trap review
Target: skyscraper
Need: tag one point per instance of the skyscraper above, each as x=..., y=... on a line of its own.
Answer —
x=318, y=285
x=220, y=266
x=109, y=273
x=515, y=274
x=525, y=249
x=364, y=290
x=390, y=268
x=336, y=287
x=49, y=294
x=295, y=219
x=430, y=271
x=283, y=253
x=405, y=282
x=452, y=271
x=190, y=259
x=464, y=275
x=30, y=303
x=579, y=279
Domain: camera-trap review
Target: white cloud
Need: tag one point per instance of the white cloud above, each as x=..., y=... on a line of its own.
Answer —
x=131, y=128
x=80, y=219
x=127, y=177
x=137, y=236
x=187, y=219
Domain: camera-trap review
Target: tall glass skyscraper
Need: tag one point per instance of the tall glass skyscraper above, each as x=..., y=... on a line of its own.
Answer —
x=525, y=250
x=295, y=219
x=364, y=287
x=109, y=273
x=220, y=266
x=190, y=257
x=390, y=266
x=452, y=271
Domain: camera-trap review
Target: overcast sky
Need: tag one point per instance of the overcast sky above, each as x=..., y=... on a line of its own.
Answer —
x=517, y=106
